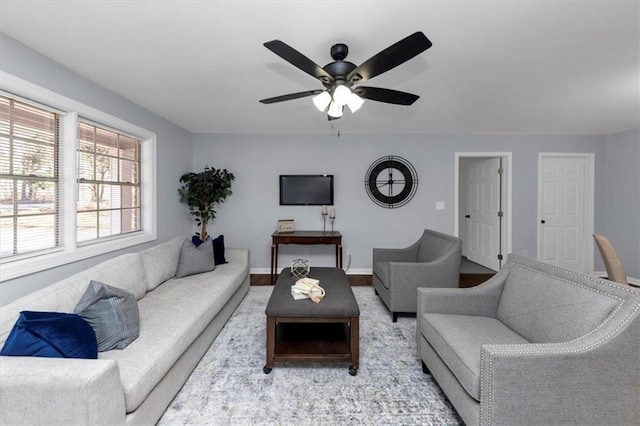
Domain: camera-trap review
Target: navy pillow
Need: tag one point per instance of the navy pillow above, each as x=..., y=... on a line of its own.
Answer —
x=52, y=335
x=218, y=248
x=196, y=240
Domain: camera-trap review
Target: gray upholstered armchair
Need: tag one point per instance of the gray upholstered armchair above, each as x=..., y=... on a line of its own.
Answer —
x=534, y=345
x=432, y=261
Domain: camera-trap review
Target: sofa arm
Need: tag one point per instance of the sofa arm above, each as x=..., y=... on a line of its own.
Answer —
x=46, y=391
x=237, y=255
x=481, y=300
x=593, y=380
x=411, y=275
x=409, y=254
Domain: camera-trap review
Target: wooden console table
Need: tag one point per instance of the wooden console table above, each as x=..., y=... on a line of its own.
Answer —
x=304, y=238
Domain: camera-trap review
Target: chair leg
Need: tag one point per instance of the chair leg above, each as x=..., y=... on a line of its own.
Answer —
x=425, y=370
x=395, y=316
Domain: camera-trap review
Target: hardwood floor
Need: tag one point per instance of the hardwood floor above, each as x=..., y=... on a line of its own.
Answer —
x=466, y=280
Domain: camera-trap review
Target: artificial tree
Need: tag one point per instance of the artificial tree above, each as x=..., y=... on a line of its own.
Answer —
x=202, y=191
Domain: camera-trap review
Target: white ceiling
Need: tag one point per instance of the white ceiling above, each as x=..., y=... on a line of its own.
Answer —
x=496, y=67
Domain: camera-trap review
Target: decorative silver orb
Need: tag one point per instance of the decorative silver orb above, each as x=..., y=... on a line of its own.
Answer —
x=299, y=268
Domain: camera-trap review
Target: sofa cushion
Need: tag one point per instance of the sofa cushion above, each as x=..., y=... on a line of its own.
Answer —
x=112, y=313
x=457, y=339
x=171, y=318
x=546, y=309
x=126, y=272
x=58, y=297
x=194, y=259
x=161, y=261
x=51, y=335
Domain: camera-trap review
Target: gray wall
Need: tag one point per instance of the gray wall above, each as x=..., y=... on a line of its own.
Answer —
x=249, y=216
x=174, y=151
x=620, y=189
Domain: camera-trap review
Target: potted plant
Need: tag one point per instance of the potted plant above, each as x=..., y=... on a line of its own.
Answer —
x=202, y=191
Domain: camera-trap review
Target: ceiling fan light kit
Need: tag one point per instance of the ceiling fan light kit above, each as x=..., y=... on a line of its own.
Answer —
x=335, y=110
x=355, y=102
x=339, y=77
x=322, y=101
x=341, y=94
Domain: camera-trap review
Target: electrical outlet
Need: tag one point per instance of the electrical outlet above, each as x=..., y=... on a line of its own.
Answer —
x=440, y=205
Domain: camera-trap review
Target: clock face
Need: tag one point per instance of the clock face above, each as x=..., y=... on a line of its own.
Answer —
x=391, y=181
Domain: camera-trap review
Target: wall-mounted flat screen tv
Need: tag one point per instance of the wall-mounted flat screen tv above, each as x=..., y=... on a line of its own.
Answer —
x=306, y=190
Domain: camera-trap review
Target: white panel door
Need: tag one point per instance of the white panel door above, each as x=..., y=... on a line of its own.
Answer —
x=561, y=212
x=483, y=204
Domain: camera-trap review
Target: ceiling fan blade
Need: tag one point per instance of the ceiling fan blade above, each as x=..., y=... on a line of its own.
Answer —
x=290, y=96
x=390, y=57
x=298, y=60
x=386, y=95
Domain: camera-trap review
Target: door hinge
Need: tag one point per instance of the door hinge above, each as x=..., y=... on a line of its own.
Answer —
x=500, y=214
x=500, y=171
x=499, y=257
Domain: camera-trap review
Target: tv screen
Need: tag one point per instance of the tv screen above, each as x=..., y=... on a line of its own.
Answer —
x=306, y=190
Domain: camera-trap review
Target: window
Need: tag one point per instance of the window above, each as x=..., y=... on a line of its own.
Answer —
x=29, y=202
x=108, y=183
x=75, y=182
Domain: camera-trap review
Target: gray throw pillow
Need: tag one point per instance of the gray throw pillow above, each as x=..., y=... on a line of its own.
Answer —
x=194, y=260
x=113, y=314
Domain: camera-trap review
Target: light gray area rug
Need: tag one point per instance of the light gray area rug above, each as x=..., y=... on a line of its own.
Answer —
x=228, y=387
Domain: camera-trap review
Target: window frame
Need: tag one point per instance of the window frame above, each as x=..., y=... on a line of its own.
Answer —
x=117, y=182
x=15, y=148
x=70, y=250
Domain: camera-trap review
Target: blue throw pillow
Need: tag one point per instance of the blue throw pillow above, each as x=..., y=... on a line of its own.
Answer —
x=218, y=248
x=196, y=240
x=52, y=335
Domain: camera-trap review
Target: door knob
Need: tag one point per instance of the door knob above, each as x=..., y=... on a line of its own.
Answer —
x=467, y=216
x=543, y=221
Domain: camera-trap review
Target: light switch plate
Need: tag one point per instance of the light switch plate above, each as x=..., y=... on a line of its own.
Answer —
x=440, y=205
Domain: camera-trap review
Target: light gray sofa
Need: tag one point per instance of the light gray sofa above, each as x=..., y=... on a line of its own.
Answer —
x=535, y=344
x=179, y=319
x=432, y=261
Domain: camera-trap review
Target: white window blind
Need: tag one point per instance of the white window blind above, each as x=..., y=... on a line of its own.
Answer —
x=108, y=183
x=75, y=182
x=29, y=186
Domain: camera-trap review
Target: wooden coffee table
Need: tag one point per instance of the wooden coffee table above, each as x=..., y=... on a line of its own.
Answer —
x=303, y=331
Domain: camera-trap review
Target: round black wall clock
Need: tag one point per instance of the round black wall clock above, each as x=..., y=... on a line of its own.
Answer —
x=391, y=181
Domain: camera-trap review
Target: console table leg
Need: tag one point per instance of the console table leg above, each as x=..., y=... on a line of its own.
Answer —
x=274, y=260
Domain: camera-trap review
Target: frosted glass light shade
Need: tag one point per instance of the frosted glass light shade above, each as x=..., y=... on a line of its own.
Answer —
x=322, y=100
x=355, y=102
x=341, y=95
x=335, y=110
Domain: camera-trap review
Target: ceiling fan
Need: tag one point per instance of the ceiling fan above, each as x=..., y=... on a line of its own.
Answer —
x=341, y=78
